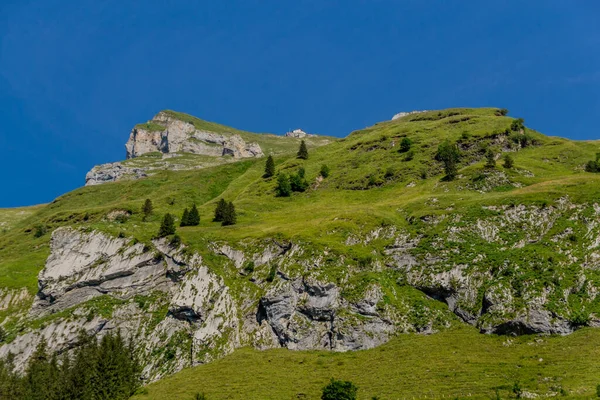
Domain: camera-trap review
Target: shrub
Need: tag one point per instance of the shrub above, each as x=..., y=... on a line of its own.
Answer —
x=249, y=267
x=449, y=154
x=517, y=125
x=339, y=390
x=220, y=210
x=324, y=171
x=508, y=161
x=284, y=187
x=147, y=209
x=517, y=391
x=501, y=112
x=2, y=335
x=303, y=151
x=269, y=167
x=167, y=227
x=40, y=230
x=200, y=396
x=298, y=182
x=598, y=390
x=490, y=156
x=272, y=273
x=122, y=218
x=405, y=144
x=175, y=241
x=593, y=166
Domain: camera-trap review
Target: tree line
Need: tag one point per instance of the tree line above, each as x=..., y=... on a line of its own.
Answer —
x=105, y=369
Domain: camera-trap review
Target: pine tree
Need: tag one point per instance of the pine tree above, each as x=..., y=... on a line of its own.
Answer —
x=303, y=151
x=147, y=209
x=269, y=167
x=167, y=226
x=324, y=171
x=220, y=210
x=491, y=159
x=193, y=217
x=229, y=216
x=41, y=374
x=185, y=218
x=284, y=188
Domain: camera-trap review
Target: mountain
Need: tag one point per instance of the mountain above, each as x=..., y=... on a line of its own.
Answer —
x=177, y=141
x=387, y=244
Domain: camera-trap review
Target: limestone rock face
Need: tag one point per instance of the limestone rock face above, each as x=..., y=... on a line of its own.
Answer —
x=182, y=136
x=113, y=172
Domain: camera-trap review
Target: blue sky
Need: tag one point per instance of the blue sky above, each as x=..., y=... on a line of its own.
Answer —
x=75, y=76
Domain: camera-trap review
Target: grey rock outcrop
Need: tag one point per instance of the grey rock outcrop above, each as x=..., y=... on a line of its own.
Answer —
x=297, y=133
x=308, y=315
x=404, y=114
x=182, y=136
x=113, y=172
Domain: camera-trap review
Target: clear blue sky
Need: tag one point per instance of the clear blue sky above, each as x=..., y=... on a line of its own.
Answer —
x=75, y=76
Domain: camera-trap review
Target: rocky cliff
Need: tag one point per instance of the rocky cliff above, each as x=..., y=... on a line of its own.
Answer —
x=167, y=134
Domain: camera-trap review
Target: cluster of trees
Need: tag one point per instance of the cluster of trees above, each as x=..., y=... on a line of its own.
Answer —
x=593, y=165
x=225, y=213
x=108, y=369
x=287, y=184
x=191, y=217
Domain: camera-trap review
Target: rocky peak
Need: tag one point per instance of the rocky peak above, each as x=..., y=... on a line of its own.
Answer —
x=165, y=133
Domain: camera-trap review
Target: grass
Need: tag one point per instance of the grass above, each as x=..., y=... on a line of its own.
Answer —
x=459, y=363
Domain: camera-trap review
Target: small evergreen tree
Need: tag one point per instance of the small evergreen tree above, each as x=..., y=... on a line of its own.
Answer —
x=167, y=227
x=490, y=159
x=194, y=216
x=230, y=215
x=449, y=154
x=303, y=151
x=405, y=145
x=284, y=188
x=220, y=210
x=2, y=335
x=185, y=218
x=324, y=171
x=269, y=167
x=147, y=209
x=339, y=390
x=508, y=161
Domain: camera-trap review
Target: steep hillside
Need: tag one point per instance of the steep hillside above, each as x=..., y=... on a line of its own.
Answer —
x=382, y=246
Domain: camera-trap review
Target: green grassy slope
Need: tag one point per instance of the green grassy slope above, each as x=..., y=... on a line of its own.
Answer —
x=371, y=185
x=459, y=363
